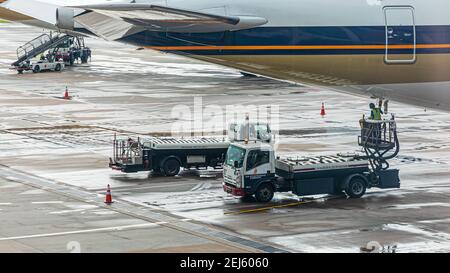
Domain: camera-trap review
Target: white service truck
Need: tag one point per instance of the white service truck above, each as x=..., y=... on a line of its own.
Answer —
x=45, y=65
x=41, y=65
x=253, y=168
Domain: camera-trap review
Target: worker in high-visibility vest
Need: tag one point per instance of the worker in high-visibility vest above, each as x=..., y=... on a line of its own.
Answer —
x=376, y=112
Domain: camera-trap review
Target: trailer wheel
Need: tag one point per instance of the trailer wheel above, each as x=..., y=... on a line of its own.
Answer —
x=171, y=167
x=356, y=188
x=264, y=193
x=36, y=69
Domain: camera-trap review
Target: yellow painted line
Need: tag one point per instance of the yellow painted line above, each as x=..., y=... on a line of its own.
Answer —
x=330, y=47
x=279, y=206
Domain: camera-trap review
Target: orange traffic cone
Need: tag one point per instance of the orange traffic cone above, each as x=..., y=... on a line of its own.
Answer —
x=108, y=199
x=322, y=111
x=66, y=94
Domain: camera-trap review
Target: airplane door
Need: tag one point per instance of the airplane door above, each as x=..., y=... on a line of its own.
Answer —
x=400, y=35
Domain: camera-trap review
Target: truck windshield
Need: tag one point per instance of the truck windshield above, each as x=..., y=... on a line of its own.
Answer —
x=235, y=154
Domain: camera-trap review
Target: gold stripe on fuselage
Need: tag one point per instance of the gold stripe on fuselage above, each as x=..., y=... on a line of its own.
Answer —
x=299, y=47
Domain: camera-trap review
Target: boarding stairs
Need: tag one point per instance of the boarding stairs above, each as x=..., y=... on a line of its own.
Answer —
x=38, y=46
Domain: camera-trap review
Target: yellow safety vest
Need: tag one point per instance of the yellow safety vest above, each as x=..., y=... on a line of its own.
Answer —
x=376, y=114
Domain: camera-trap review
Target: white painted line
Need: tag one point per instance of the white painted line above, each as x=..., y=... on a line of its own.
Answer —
x=118, y=228
x=161, y=223
x=5, y=204
x=47, y=202
x=128, y=189
x=185, y=220
x=12, y=178
x=67, y=211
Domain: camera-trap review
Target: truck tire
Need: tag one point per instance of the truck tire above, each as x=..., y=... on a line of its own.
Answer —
x=84, y=58
x=36, y=69
x=356, y=188
x=71, y=59
x=264, y=193
x=171, y=167
x=58, y=67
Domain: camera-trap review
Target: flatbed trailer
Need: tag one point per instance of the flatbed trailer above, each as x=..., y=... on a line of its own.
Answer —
x=168, y=155
x=333, y=175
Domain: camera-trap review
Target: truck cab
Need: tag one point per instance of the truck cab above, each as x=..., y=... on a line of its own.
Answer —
x=247, y=167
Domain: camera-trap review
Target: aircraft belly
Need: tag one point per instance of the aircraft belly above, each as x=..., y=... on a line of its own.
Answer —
x=433, y=95
x=425, y=83
x=338, y=69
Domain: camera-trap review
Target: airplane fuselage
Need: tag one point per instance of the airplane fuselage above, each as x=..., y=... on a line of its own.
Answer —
x=397, y=49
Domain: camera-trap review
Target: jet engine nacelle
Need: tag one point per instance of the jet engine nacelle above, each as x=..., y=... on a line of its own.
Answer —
x=65, y=18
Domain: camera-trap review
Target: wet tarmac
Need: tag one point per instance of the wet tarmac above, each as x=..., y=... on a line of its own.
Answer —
x=54, y=158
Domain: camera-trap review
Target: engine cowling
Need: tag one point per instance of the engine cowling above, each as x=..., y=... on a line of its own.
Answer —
x=65, y=18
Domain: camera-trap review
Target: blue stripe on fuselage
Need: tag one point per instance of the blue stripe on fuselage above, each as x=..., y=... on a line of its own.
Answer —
x=292, y=36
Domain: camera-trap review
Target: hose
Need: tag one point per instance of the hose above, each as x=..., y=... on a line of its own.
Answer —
x=379, y=161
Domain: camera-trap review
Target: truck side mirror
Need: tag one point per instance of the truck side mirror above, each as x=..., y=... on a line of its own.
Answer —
x=236, y=164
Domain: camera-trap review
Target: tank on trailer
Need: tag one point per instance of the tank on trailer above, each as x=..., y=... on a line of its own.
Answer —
x=167, y=155
x=309, y=167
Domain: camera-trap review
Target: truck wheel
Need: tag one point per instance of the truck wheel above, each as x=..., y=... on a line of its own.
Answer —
x=84, y=59
x=58, y=67
x=36, y=69
x=264, y=193
x=71, y=59
x=356, y=188
x=171, y=167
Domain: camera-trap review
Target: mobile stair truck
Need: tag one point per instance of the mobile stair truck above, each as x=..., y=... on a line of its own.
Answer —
x=167, y=155
x=60, y=50
x=252, y=168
